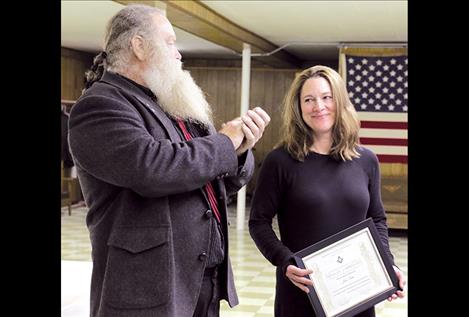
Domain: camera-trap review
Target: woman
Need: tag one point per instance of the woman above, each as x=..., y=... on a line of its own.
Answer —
x=318, y=182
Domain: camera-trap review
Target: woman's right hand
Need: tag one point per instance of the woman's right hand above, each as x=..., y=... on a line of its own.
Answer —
x=297, y=277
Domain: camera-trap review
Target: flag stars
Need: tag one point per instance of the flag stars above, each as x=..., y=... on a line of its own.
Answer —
x=378, y=83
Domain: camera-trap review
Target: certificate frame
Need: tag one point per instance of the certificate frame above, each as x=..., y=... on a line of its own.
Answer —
x=351, y=271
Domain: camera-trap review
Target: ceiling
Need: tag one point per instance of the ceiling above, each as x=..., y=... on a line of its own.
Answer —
x=308, y=30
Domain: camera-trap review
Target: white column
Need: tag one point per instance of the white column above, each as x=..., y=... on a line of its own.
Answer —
x=245, y=78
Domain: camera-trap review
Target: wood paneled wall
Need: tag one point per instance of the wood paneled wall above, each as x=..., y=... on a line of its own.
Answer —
x=221, y=81
x=394, y=169
x=268, y=88
x=73, y=66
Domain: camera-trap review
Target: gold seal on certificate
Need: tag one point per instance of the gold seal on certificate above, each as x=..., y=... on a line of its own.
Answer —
x=351, y=272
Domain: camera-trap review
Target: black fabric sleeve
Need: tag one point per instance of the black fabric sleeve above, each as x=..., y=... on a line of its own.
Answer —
x=264, y=206
x=376, y=209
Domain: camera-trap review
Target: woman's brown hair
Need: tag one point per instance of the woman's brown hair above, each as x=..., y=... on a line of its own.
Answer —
x=298, y=137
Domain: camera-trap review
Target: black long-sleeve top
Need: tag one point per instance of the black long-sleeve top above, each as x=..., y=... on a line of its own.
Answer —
x=312, y=200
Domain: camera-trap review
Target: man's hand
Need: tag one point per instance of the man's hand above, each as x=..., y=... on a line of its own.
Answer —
x=254, y=123
x=233, y=129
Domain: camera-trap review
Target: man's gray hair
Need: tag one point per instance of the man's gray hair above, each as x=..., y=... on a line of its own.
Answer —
x=133, y=20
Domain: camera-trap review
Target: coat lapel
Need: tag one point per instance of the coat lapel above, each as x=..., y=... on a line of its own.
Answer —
x=153, y=108
x=159, y=114
x=165, y=121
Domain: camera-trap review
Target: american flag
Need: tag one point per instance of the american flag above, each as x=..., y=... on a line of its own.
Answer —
x=377, y=87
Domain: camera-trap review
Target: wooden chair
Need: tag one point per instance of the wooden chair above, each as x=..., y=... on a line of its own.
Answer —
x=66, y=190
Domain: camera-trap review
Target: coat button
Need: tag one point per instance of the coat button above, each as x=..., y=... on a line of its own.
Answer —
x=202, y=256
x=208, y=213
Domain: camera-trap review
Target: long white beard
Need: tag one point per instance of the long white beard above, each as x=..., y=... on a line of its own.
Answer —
x=176, y=90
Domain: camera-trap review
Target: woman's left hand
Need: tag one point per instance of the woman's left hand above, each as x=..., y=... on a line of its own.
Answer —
x=402, y=282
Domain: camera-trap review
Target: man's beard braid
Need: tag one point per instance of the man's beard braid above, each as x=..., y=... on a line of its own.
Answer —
x=177, y=93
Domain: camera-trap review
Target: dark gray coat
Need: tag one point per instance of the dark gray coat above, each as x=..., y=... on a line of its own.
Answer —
x=142, y=183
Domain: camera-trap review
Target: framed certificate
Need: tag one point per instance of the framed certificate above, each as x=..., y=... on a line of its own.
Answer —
x=351, y=271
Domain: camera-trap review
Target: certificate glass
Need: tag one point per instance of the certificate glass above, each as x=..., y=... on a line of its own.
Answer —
x=351, y=272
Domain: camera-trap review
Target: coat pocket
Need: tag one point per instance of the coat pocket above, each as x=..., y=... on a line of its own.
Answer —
x=137, y=271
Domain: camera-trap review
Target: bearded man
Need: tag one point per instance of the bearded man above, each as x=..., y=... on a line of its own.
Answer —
x=155, y=175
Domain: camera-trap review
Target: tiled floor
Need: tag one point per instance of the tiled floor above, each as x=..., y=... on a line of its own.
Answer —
x=254, y=276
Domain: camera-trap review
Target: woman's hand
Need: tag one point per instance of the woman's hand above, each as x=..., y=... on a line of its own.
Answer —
x=402, y=282
x=297, y=277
